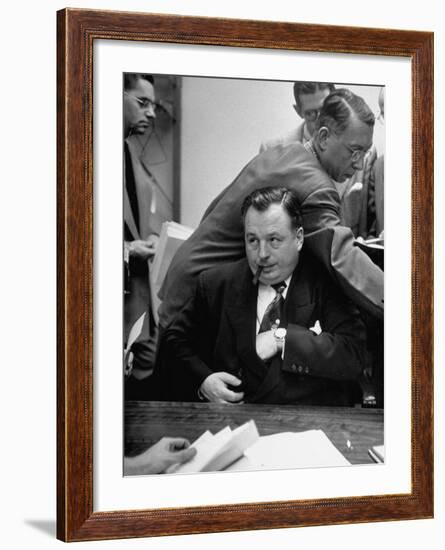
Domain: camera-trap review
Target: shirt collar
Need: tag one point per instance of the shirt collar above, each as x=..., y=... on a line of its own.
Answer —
x=306, y=135
x=267, y=288
x=309, y=146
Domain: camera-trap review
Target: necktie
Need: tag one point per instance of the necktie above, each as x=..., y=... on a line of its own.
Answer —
x=274, y=309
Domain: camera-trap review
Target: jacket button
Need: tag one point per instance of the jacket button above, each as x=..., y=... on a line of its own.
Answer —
x=306, y=370
x=300, y=369
x=293, y=368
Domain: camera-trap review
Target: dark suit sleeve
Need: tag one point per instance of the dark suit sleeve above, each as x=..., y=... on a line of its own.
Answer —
x=333, y=245
x=350, y=267
x=187, y=339
x=321, y=209
x=336, y=353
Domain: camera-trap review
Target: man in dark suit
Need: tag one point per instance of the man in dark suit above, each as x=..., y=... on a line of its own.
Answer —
x=342, y=137
x=269, y=328
x=142, y=223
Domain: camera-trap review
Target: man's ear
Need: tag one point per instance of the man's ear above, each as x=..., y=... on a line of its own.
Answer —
x=297, y=110
x=300, y=238
x=322, y=137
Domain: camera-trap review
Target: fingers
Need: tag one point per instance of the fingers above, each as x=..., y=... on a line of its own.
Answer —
x=237, y=402
x=235, y=397
x=185, y=455
x=215, y=388
x=145, y=244
x=229, y=379
x=178, y=443
x=229, y=396
x=178, y=450
x=142, y=249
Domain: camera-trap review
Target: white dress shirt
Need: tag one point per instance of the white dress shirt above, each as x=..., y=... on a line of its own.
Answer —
x=265, y=296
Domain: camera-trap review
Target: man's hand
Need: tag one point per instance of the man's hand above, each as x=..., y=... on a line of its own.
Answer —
x=266, y=345
x=159, y=457
x=143, y=249
x=214, y=388
x=153, y=239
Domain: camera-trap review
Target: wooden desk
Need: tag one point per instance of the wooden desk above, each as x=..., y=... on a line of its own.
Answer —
x=147, y=421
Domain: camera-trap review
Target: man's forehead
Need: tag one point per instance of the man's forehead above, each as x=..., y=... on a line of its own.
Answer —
x=267, y=220
x=143, y=88
x=358, y=134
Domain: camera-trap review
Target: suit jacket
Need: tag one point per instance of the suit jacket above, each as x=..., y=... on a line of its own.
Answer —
x=353, y=192
x=141, y=219
x=219, y=238
x=295, y=135
x=216, y=331
x=150, y=207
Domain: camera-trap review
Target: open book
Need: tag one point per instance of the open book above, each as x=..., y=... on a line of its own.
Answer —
x=243, y=450
x=172, y=236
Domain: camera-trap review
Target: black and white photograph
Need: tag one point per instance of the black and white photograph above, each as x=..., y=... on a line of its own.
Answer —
x=253, y=274
x=222, y=225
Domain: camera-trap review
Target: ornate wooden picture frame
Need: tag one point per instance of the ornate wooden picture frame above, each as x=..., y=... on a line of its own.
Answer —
x=77, y=32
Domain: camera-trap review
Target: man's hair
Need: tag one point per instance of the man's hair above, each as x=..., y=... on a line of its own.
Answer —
x=131, y=79
x=339, y=107
x=261, y=199
x=303, y=87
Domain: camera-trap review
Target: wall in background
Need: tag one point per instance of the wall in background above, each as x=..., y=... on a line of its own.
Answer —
x=224, y=122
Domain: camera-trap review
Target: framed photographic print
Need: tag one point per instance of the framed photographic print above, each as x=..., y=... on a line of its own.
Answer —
x=161, y=119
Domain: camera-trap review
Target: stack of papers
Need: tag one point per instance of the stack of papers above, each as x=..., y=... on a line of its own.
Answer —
x=243, y=450
x=216, y=452
x=310, y=449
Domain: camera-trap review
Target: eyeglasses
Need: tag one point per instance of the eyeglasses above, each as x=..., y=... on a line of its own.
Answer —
x=311, y=115
x=356, y=154
x=145, y=104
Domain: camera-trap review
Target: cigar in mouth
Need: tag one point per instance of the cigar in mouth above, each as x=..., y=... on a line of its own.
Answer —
x=257, y=275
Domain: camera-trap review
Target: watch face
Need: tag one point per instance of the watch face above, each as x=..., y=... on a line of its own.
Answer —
x=280, y=333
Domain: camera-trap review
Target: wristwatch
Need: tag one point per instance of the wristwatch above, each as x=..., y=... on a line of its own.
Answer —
x=280, y=334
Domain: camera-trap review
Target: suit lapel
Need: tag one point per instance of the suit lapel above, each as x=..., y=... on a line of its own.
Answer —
x=128, y=211
x=128, y=217
x=241, y=313
x=298, y=296
x=145, y=190
x=242, y=316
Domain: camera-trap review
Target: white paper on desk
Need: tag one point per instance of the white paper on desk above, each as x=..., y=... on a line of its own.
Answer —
x=207, y=446
x=241, y=438
x=310, y=449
